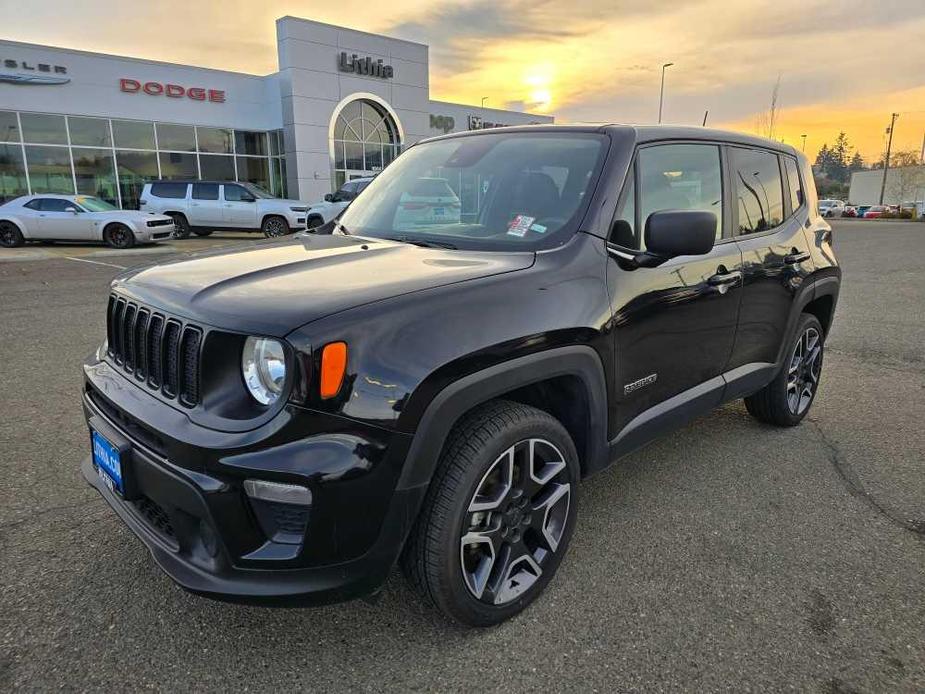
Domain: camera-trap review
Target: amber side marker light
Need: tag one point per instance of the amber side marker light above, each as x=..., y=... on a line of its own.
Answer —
x=333, y=366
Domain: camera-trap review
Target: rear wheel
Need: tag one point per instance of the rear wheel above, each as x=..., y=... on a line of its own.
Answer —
x=274, y=226
x=202, y=232
x=10, y=235
x=787, y=399
x=182, y=227
x=498, y=515
x=118, y=236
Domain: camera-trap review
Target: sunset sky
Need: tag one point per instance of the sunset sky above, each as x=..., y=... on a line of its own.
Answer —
x=843, y=65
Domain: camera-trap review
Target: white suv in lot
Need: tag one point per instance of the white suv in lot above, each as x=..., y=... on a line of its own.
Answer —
x=205, y=206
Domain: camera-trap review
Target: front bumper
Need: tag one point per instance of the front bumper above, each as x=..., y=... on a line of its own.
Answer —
x=189, y=509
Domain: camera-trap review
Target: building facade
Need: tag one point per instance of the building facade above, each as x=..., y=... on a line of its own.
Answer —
x=904, y=186
x=343, y=104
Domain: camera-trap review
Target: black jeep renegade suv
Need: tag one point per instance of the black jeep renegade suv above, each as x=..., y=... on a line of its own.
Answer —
x=499, y=315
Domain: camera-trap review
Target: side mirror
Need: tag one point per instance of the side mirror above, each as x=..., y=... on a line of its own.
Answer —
x=328, y=197
x=673, y=233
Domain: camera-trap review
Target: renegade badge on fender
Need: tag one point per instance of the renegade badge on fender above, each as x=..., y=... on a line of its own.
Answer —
x=426, y=380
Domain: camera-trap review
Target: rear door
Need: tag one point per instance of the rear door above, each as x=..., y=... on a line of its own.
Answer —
x=205, y=208
x=775, y=253
x=239, y=209
x=674, y=324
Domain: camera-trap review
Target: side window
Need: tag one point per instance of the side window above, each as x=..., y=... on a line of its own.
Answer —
x=234, y=193
x=205, y=191
x=758, y=189
x=793, y=180
x=624, y=222
x=35, y=204
x=57, y=205
x=679, y=177
x=176, y=191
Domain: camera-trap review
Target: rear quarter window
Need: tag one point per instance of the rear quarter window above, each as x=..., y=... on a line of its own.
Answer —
x=175, y=191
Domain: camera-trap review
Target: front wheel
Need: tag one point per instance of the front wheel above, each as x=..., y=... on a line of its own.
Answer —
x=787, y=399
x=181, y=225
x=10, y=235
x=274, y=226
x=498, y=515
x=118, y=236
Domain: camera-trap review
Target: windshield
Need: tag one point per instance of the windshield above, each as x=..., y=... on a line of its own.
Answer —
x=498, y=191
x=257, y=191
x=94, y=204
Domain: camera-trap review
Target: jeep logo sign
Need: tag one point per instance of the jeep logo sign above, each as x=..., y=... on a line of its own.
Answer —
x=364, y=66
x=444, y=123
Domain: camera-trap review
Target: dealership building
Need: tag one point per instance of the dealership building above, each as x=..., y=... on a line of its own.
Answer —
x=343, y=104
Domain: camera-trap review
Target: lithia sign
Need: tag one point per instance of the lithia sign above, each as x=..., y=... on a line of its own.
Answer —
x=364, y=66
x=36, y=73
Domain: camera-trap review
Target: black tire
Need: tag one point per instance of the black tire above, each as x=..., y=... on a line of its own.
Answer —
x=275, y=226
x=787, y=399
x=313, y=222
x=436, y=555
x=118, y=236
x=182, y=226
x=203, y=232
x=10, y=235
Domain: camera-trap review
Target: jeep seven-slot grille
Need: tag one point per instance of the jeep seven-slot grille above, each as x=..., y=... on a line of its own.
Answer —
x=161, y=351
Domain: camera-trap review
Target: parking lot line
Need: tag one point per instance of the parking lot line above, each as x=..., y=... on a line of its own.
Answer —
x=95, y=262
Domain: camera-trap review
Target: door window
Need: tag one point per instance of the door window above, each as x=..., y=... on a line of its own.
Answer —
x=236, y=194
x=793, y=181
x=205, y=191
x=679, y=177
x=758, y=189
x=175, y=191
x=58, y=205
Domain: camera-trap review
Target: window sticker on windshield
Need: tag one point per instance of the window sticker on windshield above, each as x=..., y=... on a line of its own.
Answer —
x=519, y=225
x=538, y=228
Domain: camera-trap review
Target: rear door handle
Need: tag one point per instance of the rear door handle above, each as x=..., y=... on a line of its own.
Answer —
x=722, y=278
x=796, y=258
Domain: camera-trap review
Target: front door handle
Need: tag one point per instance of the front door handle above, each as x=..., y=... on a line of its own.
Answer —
x=796, y=258
x=722, y=278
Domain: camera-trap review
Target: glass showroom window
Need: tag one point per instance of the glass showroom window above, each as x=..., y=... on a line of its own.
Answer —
x=89, y=132
x=50, y=169
x=43, y=129
x=254, y=170
x=135, y=168
x=133, y=134
x=12, y=172
x=365, y=141
x=9, y=126
x=176, y=165
x=176, y=138
x=96, y=173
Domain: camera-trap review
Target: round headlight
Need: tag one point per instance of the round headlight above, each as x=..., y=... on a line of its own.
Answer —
x=263, y=364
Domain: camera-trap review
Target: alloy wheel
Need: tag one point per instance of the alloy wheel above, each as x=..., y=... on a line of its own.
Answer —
x=7, y=234
x=274, y=227
x=515, y=521
x=805, y=369
x=119, y=236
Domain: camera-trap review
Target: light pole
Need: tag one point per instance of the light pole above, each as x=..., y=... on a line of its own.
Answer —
x=804, y=142
x=484, y=99
x=661, y=92
x=886, y=159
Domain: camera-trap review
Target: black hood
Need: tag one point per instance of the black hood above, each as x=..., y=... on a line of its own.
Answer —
x=276, y=286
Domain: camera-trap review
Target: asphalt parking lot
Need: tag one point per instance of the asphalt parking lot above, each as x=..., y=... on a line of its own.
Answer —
x=727, y=556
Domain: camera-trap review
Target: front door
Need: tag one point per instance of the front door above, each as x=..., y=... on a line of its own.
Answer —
x=675, y=324
x=64, y=220
x=239, y=208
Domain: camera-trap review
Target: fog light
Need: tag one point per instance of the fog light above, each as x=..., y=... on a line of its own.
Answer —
x=278, y=492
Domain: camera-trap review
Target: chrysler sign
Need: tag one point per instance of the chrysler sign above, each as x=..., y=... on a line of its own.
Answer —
x=37, y=73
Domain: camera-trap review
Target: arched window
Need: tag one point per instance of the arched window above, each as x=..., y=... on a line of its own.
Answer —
x=365, y=140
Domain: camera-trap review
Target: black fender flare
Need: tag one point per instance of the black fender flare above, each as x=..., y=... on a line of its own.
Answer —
x=461, y=396
x=812, y=290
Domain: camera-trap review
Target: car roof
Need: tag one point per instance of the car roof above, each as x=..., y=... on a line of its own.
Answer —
x=184, y=181
x=640, y=133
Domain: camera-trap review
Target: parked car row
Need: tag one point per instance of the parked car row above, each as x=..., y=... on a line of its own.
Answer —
x=167, y=209
x=838, y=208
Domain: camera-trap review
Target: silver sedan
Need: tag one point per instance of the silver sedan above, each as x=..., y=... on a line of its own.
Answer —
x=50, y=217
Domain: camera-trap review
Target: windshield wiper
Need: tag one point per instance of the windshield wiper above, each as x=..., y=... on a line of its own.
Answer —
x=422, y=243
